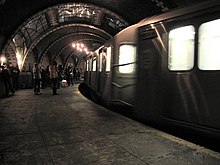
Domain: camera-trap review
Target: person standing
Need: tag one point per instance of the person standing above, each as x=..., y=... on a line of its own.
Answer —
x=6, y=78
x=15, y=77
x=54, y=77
x=43, y=78
x=37, y=79
x=48, y=81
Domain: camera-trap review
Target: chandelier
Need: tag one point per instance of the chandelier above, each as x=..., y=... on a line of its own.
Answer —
x=79, y=46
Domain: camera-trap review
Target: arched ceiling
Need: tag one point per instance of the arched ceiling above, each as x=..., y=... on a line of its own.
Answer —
x=46, y=29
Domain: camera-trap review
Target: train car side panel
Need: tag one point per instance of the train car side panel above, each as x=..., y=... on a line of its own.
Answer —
x=149, y=87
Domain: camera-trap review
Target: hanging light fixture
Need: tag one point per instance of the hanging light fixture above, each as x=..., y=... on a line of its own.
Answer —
x=79, y=46
x=3, y=60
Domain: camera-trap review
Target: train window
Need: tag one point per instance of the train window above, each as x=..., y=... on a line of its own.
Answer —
x=87, y=65
x=209, y=39
x=181, y=48
x=100, y=61
x=127, y=57
x=90, y=64
x=108, y=59
x=94, y=64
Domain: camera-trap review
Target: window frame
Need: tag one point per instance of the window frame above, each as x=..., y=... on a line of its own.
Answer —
x=108, y=58
x=192, y=61
x=94, y=61
x=210, y=67
x=118, y=65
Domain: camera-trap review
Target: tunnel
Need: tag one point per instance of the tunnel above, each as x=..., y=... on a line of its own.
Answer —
x=44, y=31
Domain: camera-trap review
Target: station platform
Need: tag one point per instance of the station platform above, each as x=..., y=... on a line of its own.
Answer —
x=68, y=129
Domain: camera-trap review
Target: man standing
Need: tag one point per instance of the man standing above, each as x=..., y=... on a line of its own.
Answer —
x=37, y=79
x=6, y=78
x=54, y=77
x=15, y=77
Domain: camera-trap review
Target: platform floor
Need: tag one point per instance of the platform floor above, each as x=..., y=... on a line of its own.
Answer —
x=69, y=129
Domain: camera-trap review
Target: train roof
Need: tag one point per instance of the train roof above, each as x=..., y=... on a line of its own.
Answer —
x=180, y=12
x=126, y=29
x=174, y=14
x=170, y=15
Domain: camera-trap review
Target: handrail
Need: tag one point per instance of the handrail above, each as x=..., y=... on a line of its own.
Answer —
x=117, y=65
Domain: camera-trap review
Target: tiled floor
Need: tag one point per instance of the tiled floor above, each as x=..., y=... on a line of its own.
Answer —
x=68, y=129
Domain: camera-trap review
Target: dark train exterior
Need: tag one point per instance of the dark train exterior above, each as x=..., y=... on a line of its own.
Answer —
x=165, y=69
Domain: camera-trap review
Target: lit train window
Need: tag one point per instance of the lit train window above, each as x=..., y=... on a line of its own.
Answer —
x=94, y=64
x=209, y=39
x=90, y=64
x=87, y=65
x=181, y=48
x=127, y=57
x=100, y=61
x=108, y=59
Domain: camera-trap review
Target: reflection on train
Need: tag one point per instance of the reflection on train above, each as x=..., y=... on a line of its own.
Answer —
x=165, y=69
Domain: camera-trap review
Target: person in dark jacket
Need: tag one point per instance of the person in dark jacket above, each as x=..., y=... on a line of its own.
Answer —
x=43, y=78
x=15, y=76
x=54, y=77
x=6, y=78
x=37, y=79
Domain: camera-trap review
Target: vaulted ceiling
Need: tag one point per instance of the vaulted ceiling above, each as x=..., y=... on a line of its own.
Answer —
x=44, y=30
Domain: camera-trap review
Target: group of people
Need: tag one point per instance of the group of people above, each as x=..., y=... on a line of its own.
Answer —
x=71, y=75
x=53, y=76
x=10, y=78
x=37, y=76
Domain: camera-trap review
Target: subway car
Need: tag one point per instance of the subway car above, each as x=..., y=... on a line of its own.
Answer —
x=164, y=70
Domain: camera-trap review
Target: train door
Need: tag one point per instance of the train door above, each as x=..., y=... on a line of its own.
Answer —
x=87, y=72
x=105, y=81
x=123, y=76
x=100, y=70
x=90, y=70
x=148, y=76
x=93, y=72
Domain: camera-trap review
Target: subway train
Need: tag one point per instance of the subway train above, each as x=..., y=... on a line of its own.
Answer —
x=164, y=70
